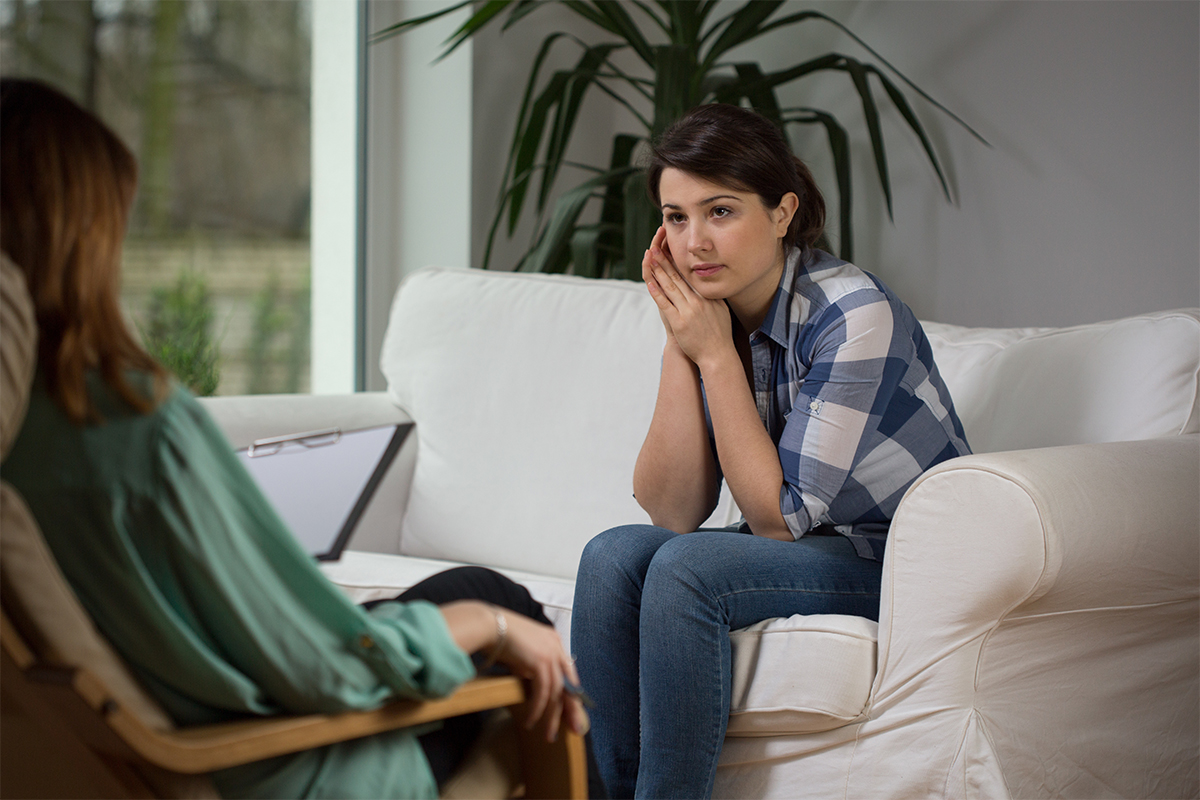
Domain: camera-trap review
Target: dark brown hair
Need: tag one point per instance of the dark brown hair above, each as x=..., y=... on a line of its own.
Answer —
x=743, y=150
x=66, y=187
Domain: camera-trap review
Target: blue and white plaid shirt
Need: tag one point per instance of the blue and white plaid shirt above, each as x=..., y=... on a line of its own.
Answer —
x=845, y=383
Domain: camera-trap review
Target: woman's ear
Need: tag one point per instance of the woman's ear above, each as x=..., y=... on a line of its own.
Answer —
x=784, y=212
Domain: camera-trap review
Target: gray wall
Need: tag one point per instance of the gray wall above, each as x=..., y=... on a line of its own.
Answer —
x=1086, y=207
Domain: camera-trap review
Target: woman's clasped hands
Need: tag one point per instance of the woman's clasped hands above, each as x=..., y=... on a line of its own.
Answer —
x=702, y=328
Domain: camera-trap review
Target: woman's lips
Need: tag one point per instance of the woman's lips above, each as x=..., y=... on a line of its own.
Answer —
x=704, y=270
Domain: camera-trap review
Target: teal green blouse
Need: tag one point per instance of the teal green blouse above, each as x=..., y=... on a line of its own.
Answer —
x=190, y=574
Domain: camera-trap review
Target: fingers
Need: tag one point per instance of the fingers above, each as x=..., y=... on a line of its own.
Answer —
x=554, y=712
x=536, y=654
x=576, y=716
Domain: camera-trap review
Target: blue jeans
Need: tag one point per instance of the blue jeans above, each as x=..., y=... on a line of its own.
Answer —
x=650, y=632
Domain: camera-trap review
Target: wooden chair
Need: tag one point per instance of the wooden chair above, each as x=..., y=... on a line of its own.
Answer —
x=58, y=683
x=61, y=674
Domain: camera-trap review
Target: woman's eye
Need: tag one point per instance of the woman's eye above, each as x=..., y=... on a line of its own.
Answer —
x=721, y=211
x=675, y=218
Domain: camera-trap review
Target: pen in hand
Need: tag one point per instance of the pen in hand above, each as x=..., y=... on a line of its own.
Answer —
x=570, y=687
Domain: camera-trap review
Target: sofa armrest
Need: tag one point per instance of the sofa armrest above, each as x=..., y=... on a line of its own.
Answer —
x=1050, y=599
x=246, y=418
x=984, y=537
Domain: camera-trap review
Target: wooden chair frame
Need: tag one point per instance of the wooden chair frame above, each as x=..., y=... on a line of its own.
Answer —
x=79, y=702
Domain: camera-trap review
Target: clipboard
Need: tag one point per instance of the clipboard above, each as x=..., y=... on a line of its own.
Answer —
x=320, y=482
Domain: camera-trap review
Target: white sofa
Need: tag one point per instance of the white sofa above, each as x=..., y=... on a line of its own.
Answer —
x=1039, y=630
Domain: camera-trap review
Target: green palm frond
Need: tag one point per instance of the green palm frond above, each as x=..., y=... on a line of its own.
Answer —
x=681, y=45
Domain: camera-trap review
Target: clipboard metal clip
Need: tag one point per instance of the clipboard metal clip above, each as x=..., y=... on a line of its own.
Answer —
x=272, y=445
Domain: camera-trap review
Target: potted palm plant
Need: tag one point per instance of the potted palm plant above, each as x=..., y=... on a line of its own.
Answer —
x=682, y=46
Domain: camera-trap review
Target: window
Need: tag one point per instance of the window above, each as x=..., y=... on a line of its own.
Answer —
x=216, y=100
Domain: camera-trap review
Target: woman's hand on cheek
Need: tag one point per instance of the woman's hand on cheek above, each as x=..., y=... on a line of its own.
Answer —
x=701, y=327
x=648, y=266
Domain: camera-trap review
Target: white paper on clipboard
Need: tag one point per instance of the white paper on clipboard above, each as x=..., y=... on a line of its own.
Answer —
x=321, y=481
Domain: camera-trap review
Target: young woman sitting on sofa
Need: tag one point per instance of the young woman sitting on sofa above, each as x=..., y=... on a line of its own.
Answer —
x=800, y=380
x=168, y=544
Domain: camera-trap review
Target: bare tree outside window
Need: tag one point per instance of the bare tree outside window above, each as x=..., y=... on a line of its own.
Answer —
x=213, y=97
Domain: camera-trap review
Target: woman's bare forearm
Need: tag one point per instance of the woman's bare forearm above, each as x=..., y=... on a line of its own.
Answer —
x=749, y=459
x=675, y=479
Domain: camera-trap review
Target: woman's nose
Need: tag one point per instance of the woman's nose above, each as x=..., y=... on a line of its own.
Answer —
x=698, y=240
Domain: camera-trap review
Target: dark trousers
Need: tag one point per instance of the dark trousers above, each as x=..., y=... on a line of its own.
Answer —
x=447, y=747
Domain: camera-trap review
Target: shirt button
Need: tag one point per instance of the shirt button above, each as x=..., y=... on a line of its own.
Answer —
x=366, y=642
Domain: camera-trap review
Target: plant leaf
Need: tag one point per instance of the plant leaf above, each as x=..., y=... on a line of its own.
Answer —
x=612, y=18
x=827, y=61
x=686, y=22
x=839, y=148
x=752, y=85
x=803, y=15
x=858, y=73
x=649, y=12
x=522, y=9
x=512, y=194
x=552, y=248
x=585, y=255
x=577, y=83
x=612, y=212
x=624, y=26
x=675, y=89
x=489, y=11
x=408, y=24
x=901, y=103
x=740, y=26
x=641, y=221
x=503, y=203
x=529, y=139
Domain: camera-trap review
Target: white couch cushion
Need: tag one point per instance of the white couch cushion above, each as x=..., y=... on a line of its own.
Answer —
x=816, y=671
x=1017, y=388
x=532, y=394
x=376, y=576
x=816, y=674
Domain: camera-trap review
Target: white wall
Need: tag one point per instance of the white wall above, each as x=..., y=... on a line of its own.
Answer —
x=418, y=157
x=1087, y=206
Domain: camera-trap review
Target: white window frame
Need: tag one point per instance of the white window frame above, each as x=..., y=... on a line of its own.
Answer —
x=391, y=174
x=337, y=78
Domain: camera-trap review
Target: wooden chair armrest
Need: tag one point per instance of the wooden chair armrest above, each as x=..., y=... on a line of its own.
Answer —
x=82, y=701
x=209, y=747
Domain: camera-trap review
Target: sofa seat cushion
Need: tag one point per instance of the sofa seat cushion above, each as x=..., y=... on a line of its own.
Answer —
x=1018, y=388
x=377, y=576
x=795, y=675
x=801, y=674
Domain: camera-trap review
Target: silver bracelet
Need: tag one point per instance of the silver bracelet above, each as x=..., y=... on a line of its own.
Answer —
x=501, y=639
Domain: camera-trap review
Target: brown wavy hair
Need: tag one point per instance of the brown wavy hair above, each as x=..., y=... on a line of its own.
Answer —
x=66, y=188
x=735, y=147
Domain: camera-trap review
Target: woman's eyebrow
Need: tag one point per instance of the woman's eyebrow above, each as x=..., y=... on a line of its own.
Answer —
x=706, y=201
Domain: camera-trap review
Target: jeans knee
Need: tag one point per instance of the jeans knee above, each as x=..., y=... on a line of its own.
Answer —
x=687, y=564
x=619, y=550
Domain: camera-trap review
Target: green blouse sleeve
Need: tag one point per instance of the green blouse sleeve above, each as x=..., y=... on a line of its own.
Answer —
x=244, y=593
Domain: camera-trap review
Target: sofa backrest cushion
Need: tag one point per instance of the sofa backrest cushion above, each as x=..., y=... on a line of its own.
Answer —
x=1016, y=388
x=531, y=394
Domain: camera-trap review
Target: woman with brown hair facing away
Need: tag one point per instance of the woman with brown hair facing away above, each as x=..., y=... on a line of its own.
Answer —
x=179, y=560
x=797, y=378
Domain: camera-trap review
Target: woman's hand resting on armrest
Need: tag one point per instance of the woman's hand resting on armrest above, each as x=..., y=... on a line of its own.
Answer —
x=532, y=651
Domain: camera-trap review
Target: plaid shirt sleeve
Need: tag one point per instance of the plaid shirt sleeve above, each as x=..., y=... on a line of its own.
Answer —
x=851, y=371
